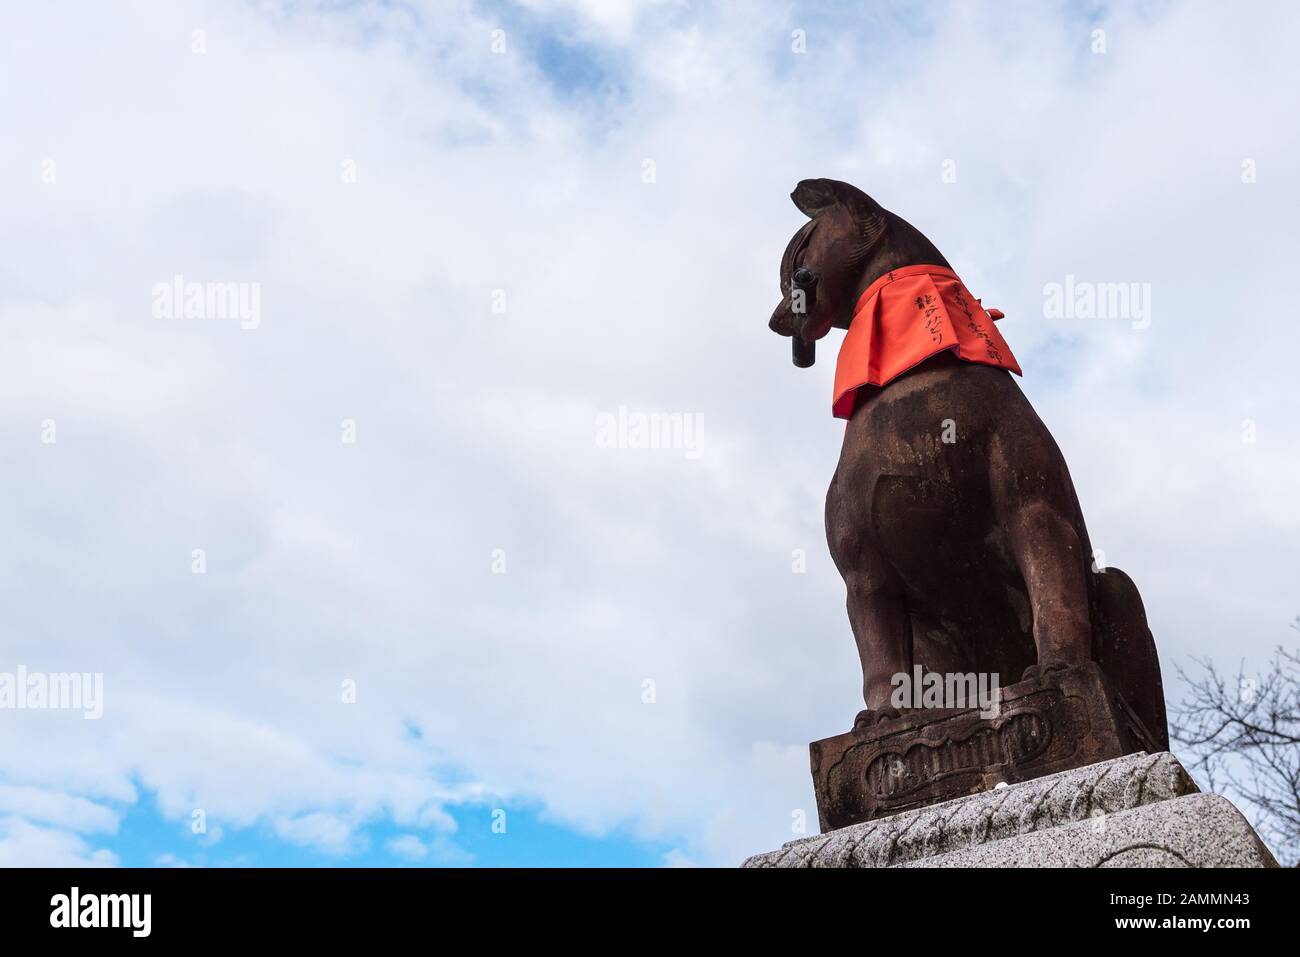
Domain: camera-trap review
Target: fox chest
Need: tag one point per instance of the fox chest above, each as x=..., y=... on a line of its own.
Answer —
x=913, y=501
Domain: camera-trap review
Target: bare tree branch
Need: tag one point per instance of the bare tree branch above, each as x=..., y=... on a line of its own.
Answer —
x=1243, y=735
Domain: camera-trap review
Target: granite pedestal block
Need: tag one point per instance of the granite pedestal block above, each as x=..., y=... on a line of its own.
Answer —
x=1139, y=810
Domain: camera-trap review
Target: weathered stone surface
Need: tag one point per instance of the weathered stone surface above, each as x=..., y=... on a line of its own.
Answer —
x=1064, y=719
x=1200, y=830
x=1044, y=802
x=1140, y=810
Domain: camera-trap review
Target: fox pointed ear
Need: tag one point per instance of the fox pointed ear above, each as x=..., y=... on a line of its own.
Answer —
x=813, y=196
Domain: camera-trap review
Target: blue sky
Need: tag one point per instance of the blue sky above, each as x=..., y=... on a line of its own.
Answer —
x=425, y=588
x=147, y=839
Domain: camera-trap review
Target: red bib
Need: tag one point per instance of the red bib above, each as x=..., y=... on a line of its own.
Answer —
x=907, y=316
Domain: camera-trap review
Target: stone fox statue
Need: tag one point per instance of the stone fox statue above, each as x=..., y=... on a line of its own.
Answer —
x=951, y=516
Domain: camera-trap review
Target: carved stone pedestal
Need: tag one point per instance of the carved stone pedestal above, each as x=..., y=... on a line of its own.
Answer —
x=1065, y=719
x=1141, y=810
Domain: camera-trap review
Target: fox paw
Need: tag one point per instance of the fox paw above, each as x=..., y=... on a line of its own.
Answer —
x=869, y=717
x=1034, y=672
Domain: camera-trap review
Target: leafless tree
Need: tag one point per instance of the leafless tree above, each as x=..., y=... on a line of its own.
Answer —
x=1243, y=735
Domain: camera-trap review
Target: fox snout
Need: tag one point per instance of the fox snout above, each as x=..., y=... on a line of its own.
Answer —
x=793, y=315
x=782, y=321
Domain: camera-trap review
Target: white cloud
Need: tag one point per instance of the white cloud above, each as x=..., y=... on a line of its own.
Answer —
x=26, y=845
x=407, y=846
x=49, y=806
x=372, y=562
x=328, y=833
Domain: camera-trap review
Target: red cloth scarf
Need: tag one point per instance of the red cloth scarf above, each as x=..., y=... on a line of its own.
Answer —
x=907, y=316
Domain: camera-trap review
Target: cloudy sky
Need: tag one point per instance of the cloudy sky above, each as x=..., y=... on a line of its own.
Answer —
x=363, y=581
